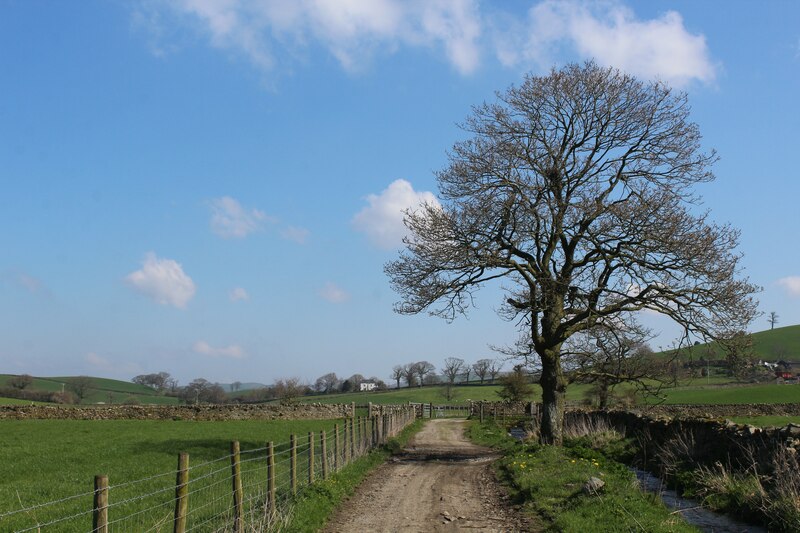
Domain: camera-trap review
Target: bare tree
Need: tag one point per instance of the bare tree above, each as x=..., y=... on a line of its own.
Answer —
x=410, y=374
x=738, y=350
x=80, y=386
x=423, y=368
x=575, y=189
x=327, y=383
x=287, y=390
x=236, y=385
x=452, y=368
x=773, y=319
x=397, y=374
x=481, y=368
x=610, y=354
x=495, y=366
x=201, y=390
x=159, y=381
x=20, y=382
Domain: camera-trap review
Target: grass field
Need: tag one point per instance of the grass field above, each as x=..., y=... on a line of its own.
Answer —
x=716, y=390
x=45, y=460
x=739, y=394
x=102, y=390
x=770, y=345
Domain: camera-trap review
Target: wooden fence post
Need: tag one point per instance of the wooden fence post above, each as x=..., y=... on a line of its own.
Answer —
x=353, y=435
x=337, y=449
x=311, y=457
x=100, y=509
x=181, y=494
x=271, y=477
x=293, y=463
x=238, y=493
x=346, y=443
x=324, y=443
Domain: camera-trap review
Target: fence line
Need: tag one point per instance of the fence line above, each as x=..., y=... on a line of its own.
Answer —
x=245, y=490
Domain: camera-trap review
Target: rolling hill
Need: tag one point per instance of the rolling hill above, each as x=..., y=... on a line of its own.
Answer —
x=100, y=390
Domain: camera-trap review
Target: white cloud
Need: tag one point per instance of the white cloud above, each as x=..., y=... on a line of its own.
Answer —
x=24, y=281
x=351, y=30
x=163, y=281
x=791, y=284
x=382, y=219
x=296, y=234
x=610, y=33
x=238, y=294
x=333, y=293
x=96, y=360
x=234, y=351
x=230, y=220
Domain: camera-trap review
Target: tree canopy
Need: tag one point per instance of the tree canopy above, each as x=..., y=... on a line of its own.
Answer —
x=577, y=190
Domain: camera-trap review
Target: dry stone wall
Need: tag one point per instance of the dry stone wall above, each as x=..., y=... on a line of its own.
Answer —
x=698, y=441
x=179, y=412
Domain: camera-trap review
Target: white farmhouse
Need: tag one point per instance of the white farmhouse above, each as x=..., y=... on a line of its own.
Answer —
x=368, y=385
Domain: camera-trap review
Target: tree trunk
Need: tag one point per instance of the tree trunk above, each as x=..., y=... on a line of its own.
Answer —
x=602, y=394
x=554, y=388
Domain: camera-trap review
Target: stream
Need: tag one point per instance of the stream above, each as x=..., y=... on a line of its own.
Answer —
x=691, y=510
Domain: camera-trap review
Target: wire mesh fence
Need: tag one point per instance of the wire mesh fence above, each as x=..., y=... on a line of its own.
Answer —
x=246, y=490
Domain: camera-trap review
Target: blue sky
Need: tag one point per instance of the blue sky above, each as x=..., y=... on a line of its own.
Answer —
x=211, y=188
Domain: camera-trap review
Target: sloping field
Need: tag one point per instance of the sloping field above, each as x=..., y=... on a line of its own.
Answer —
x=770, y=345
x=101, y=389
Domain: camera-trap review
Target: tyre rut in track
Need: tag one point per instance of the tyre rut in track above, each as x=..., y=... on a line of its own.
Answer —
x=440, y=482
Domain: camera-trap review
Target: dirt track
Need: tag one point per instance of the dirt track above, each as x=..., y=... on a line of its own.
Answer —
x=441, y=482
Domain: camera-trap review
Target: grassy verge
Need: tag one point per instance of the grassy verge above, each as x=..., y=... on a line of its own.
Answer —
x=318, y=502
x=548, y=481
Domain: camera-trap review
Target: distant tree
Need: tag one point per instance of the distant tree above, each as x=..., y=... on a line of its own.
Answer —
x=201, y=390
x=379, y=383
x=467, y=372
x=80, y=386
x=327, y=383
x=773, y=319
x=236, y=385
x=739, y=354
x=397, y=374
x=432, y=379
x=452, y=368
x=289, y=389
x=356, y=380
x=423, y=368
x=516, y=385
x=495, y=366
x=21, y=382
x=410, y=374
x=158, y=381
x=347, y=386
x=608, y=356
x=481, y=368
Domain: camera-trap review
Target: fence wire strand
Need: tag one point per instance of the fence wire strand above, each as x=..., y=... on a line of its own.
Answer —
x=209, y=488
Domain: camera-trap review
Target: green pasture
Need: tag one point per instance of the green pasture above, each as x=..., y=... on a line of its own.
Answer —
x=46, y=460
x=15, y=401
x=769, y=345
x=102, y=390
x=734, y=394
